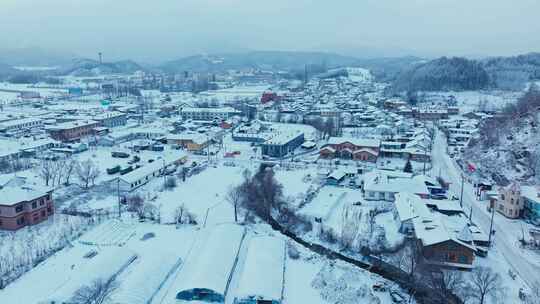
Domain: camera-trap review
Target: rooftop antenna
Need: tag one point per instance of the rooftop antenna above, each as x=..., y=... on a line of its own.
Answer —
x=100, y=58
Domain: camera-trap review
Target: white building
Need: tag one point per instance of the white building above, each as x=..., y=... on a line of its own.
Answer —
x=383, y=185
x=209, y=114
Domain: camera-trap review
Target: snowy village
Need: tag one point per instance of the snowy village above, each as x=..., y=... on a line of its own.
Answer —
x=270, y=178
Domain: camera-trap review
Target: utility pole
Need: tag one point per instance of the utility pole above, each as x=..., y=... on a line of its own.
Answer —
x=208, y=148
x=491, y=225
x=470, y=215
x=119, y=200
x=461, y=196
x=164, y=176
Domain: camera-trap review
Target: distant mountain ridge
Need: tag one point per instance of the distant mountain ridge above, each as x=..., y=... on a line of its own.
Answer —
x=272, y=60
x=90, y=67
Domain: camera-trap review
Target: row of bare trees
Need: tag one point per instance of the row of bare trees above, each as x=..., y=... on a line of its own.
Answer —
x=56, y=172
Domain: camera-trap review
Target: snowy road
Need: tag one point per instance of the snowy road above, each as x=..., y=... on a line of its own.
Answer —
x=505, y=239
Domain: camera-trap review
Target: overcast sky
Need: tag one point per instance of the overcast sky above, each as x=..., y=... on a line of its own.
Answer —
x=155, y=30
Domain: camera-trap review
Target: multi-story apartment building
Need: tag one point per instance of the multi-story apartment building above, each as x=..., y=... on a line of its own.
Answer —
x=22, y=206
x=510, y=203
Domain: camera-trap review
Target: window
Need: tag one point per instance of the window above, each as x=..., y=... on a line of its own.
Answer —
x=502, y=197
x=42, y=202
x=43, y=214
x=18, y=208
x=463, y=259
x=20, y=221
x=34, y=205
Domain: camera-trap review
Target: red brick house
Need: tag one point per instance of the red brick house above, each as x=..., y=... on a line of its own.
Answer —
x=20, y=207
x=73, y=130
x=351, y=148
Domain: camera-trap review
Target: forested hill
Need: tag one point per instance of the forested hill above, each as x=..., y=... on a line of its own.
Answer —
x=507, y=73
x=443, y=74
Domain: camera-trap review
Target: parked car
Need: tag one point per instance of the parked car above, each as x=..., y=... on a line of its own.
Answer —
x=113, y=170
x=119, y=154
x=438, y=196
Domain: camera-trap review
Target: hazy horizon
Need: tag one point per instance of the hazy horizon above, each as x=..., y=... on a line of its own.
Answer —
x=150, y=32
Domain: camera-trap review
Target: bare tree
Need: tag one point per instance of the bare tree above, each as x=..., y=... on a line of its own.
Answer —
x=46, y=170
x=261, y=193
x=87, y=172
x=484, y=283
x=136, y=204
x=69, y=168
x=330, y=127
x=234, y=196
x=445, y=284
x=98, y=292
x=183, y=216
x=179, y=214
x=58, y=171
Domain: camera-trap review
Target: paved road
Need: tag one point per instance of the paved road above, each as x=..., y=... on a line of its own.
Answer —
x=504, y=240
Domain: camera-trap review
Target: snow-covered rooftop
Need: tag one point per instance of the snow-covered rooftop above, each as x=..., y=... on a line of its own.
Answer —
x=265, y=258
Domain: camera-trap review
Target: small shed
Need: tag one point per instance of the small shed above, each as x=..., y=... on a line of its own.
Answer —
x=335, y=178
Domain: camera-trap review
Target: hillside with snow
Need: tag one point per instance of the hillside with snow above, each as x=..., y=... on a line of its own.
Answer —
x=508, y=144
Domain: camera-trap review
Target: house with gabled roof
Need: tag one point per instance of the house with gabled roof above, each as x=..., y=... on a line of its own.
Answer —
x=361, y=149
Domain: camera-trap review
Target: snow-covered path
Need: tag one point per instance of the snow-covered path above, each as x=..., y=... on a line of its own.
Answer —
x=504, y=240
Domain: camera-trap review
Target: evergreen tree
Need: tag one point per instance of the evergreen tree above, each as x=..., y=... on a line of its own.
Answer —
x=408, y=167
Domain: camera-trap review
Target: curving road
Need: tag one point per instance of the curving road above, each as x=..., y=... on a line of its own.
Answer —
x=505, y=241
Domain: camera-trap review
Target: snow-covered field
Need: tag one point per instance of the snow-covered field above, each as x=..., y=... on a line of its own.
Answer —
x=203, y=195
